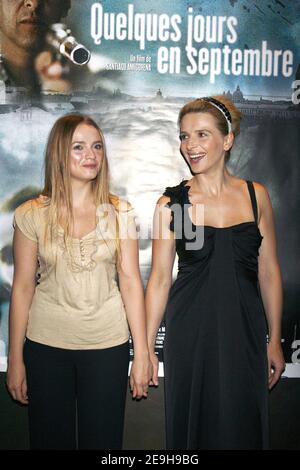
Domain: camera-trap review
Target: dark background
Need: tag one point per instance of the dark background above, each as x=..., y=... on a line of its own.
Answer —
x=144, y=420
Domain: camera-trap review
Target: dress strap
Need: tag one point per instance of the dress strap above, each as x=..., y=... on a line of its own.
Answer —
x=253, y=199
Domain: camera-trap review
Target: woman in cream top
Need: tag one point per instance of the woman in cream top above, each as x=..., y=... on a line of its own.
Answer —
x=77, y=303
x=69, y=246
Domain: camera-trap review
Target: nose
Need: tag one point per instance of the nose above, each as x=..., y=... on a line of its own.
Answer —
x=191, y=143
x=31, y=4
x=90, y=153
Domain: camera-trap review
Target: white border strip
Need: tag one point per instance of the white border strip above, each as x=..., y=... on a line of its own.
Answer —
x=292, y=371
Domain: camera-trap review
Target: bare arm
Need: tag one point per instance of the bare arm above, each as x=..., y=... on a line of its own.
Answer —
x=160, y=280
x=133, y=297
x=270, y=284
x=24, y=281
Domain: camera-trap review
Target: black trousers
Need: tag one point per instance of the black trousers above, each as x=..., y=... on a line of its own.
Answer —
x=76, y=397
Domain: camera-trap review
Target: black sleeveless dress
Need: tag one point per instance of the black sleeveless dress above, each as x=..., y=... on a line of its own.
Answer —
x=215, y=350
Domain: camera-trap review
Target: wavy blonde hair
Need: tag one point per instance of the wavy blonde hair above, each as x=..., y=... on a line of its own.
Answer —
x=57, y=187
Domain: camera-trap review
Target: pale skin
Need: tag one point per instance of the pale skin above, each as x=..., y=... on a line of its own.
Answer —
x=86, y=155
x=226, y=202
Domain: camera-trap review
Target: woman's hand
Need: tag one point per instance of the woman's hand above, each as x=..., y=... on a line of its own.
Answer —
x=16, y=381
x=140, y=375
x=276, y=363
x=155, y=365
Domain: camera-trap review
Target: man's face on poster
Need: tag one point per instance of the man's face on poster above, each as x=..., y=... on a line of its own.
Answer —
x=25, y=22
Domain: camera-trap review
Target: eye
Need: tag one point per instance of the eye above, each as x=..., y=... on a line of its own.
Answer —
x=182, y=137
x=202, y=134
x=98, y=146
x=78, y=147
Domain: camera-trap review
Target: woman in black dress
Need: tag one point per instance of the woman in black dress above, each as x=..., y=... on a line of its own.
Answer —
x=227, y=295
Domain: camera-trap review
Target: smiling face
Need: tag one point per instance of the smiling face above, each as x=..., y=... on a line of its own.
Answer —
x=86, y=153
x=23, y=24
x=202, y=144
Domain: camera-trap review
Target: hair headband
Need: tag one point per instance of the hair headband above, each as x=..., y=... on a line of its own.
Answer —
x=222, y=108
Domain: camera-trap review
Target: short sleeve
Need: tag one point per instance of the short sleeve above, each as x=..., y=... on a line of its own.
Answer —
x=169, y=192
x=24, y=220
x=127, y=221
x=178, y=197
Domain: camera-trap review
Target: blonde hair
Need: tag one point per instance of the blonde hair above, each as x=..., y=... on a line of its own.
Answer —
x=57, y=188
x=200, y=105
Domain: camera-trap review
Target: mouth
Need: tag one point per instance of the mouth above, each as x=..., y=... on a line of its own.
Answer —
x=30, y=21
x=193, y=159
x=91, y=166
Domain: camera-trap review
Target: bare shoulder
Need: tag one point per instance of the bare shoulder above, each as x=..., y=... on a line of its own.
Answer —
x=262, y=193
x=163, y=200
x=264, y=203
x=260, y=188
